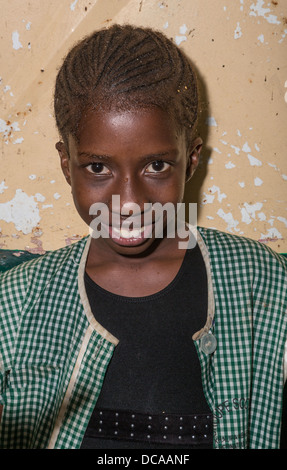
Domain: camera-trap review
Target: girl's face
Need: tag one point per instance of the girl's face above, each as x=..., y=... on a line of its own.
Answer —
x=136, y=155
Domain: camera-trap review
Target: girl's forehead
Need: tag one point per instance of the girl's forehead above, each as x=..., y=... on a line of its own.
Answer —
x=139, y=131
x=115, y=121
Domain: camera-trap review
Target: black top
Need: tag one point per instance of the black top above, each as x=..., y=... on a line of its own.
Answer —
x=155, y=368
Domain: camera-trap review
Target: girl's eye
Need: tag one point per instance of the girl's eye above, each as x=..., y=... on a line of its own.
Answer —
x=157, y=166
x=98, y=168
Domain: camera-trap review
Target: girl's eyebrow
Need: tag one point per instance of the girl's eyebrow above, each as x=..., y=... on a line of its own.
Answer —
x=93, y=155
x=171, y=153
x=147, y=157
x=155, y=155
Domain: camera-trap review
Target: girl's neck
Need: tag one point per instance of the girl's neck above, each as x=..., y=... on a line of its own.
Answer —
x=135, y=276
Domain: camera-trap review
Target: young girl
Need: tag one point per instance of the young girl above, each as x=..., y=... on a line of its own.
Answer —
x=126, y=339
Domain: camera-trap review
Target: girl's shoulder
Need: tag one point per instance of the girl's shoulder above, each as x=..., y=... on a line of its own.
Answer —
x=42, y=267
x=236, y=248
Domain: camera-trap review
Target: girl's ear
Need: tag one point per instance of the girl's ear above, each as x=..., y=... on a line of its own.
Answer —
x=65, y=160
x=193, y=157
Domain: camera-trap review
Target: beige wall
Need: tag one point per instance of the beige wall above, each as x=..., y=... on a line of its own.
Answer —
x=239, y=48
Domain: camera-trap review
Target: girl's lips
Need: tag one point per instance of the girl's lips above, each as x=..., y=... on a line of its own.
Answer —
x=133, y=237
x=125, y=233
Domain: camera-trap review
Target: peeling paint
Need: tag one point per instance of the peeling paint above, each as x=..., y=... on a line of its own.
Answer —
x=248, y=211
x=182, y=37
x=22, y=211
x=272, y=235
x=210, y=121
x=18, y=141
x=277, y=169
x=209, y=198
x=283, y=36
x=73, y=5
x=236, y=149
x=254, y=161
x=271, y=221
x=8, y=88
x=246, y=148
x=258, y=181
x=183, y=29
x=259, y=10
x=237, y=32
x=230, y=221
x=283, y=220
x=261, y=38
x=3, y=187
x=261, y=216
x=16, y=41
x=39, y=197
x=7, y=129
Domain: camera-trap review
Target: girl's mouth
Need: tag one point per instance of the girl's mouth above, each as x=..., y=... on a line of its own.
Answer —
x=126, y=233
x=129, y=231
x=130, y=237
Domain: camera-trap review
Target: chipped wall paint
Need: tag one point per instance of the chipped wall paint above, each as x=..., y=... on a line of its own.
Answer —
x=181, y=37
x=259, y=9
x=241, y=183
x=16, y=41
x=73, y=5
x=22, y=211
x=237, y=32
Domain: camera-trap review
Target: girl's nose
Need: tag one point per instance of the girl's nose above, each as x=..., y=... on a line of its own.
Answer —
x=130, y=197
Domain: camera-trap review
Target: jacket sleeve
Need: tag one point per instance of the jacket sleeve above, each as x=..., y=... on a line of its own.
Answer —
x=285, y=363
x=13, y=286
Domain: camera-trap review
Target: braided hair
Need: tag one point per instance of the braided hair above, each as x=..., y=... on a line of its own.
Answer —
x=129, y=67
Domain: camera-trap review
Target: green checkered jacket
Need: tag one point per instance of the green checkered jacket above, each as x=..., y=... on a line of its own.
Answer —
x=54, y=354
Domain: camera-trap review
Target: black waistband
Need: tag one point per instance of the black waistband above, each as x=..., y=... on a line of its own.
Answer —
x=154, y=428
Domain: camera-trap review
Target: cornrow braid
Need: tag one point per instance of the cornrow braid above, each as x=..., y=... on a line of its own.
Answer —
x=125, y=66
